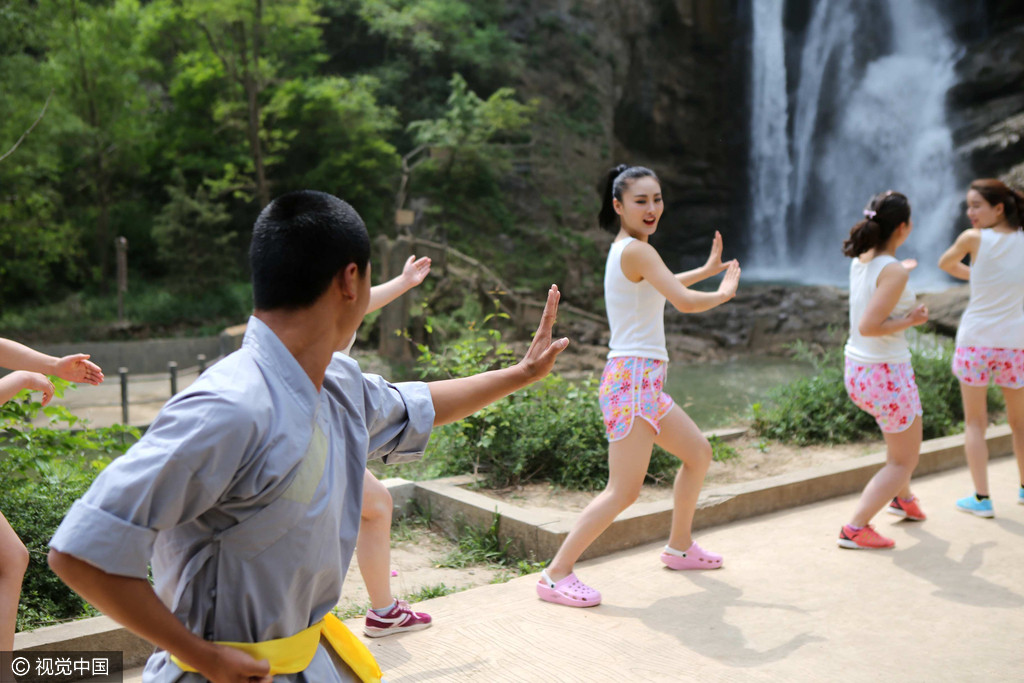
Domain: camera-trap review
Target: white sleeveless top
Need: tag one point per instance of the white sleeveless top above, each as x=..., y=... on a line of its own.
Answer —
x=636, y=311
x=995, y=312
x=891, y=348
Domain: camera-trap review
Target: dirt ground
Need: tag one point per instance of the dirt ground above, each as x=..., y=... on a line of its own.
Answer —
x=416, y=551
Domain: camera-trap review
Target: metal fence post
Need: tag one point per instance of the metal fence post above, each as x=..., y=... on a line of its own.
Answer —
x=172, y=368
x=123, y=372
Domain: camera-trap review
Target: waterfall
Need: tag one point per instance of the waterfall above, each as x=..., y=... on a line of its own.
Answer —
x=867, y=115
x=770, y=165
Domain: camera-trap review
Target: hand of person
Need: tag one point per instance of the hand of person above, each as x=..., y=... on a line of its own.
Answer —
x=731, y=280
x=234, y=666
x=34, y=381
x=714, y=263
x=909, y=263
x=78, y=368
x=918, y=316
x=540, y=357
x=415, y=270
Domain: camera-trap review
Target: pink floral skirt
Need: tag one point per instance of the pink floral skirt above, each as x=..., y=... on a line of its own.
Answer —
x=885, y=391
x=631, y=388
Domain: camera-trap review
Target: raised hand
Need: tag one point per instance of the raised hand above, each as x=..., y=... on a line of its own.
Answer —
x=909, y=263
x=919, y=315
x=78, y=368
x=714, y=263
x=731, y=280
x=540, y=357
x=415, y=270
x=34, y=381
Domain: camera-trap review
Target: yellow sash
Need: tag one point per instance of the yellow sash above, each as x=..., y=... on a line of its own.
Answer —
x=293, y=654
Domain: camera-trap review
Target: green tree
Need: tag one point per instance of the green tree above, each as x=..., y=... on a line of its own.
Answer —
x=93, y=63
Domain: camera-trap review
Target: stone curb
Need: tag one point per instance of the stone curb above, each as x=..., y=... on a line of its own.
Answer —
x=540, y=531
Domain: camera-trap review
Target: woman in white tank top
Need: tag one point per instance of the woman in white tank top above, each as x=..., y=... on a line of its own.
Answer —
x=878, y=375
x=636, y=412
x=990, y=339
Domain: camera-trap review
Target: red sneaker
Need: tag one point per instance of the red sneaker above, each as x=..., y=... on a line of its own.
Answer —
x=399, y=618
x=906, y=508
x=865, y=538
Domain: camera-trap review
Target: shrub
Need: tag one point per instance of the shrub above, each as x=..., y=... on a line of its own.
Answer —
x=816, y=409
x=42, y=471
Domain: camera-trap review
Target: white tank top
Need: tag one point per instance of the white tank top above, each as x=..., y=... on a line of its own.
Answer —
x=891, y=348
x=636, y=311
x=995, y=311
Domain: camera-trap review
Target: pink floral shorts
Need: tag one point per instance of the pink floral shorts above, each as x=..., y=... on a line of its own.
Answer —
x=630, y=388
x=885, y=391
x=976, y=365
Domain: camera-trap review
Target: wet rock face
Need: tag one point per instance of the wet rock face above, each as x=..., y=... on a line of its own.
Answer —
x=764, y=319
x=987, y=104
x=666, y=82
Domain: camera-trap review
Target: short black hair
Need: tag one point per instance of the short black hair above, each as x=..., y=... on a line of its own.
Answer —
x=300, y=242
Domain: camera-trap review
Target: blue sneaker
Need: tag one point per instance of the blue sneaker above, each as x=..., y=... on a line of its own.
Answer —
x=1020, y=496
x=981, y=508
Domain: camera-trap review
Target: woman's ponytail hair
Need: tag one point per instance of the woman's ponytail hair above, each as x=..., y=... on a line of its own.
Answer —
x=616, y=180
x=883, y=214
x=995, y=191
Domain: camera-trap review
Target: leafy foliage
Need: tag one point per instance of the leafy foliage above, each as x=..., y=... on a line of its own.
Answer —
x=43, y=470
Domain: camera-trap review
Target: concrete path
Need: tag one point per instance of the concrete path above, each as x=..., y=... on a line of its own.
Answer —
x=947, y=604
x=789, y=605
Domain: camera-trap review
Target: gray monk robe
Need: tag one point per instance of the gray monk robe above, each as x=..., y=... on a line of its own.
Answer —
x=245, y=493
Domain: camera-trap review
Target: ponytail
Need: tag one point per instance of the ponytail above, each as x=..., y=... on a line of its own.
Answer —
x=995, y=191
x=884, y=213
x=615, y=181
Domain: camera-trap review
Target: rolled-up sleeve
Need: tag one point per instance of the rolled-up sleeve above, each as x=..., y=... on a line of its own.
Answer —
x=176, y=472
x=399, y=418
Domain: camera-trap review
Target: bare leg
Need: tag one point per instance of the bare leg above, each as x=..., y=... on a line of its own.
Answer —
x=902, y=452
x=1015, y=416
x=13, y=563
x=373, y=545
x=681, y=437
x=975, y=424
x=627, y=467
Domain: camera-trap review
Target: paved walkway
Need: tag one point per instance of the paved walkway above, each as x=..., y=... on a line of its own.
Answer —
x=946, y=605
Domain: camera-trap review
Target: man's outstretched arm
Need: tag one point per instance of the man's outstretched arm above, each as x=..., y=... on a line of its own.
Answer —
x=455, y=399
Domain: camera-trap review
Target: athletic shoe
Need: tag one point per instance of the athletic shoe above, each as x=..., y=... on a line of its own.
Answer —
x=399, y=618
x=1020, y=496
x=981, y=508
x=865, y=538
x=908, y=509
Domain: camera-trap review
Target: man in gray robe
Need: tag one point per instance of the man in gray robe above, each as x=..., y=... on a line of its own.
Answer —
x=245, y=493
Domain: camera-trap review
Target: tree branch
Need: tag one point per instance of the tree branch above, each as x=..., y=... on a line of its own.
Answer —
x=30, y=128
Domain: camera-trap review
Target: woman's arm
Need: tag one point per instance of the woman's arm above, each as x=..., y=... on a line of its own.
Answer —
x=413, y=273
x=23, y=379
x=74, y=368
x=713, y=267
x=876, y=321
x=952, y=260
x=640, y=261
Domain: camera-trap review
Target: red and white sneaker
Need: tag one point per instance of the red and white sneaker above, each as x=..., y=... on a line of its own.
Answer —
x=399, y=619
x=907, y=508
x=864, y=538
